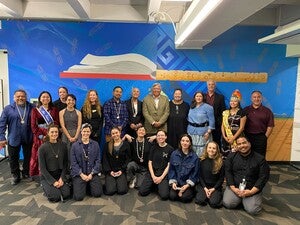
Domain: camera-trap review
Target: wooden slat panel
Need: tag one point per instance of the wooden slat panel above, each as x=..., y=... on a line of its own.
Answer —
x=280, y=141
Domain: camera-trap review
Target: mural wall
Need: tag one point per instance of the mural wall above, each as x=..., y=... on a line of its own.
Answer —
x=40, y=51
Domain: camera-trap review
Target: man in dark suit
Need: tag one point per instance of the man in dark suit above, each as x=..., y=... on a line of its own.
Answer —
x=217, y=101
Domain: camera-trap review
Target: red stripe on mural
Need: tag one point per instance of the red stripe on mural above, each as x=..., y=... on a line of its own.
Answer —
x=106, y=76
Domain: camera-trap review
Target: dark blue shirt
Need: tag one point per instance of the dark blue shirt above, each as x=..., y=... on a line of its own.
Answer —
x=18, y=133
x=115, y=114
x=82, y=164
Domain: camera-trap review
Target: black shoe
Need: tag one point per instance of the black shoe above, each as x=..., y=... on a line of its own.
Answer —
x=15, y=180
x=25, y=176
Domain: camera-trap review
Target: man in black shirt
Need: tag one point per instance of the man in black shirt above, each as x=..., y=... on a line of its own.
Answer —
x=246, y=174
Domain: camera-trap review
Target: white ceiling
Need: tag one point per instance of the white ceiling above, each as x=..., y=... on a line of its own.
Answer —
x=279, y=13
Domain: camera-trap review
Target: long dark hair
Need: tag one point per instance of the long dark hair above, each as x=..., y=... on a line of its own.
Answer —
x=191, y=141
x=39, y=99
x=194, y=103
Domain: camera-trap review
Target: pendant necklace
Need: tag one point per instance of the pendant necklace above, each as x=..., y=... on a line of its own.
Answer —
x=54, y=153
x=117, y=148
x=140, y=146
x=118, y=110
x=24, y=114
x=85, y=150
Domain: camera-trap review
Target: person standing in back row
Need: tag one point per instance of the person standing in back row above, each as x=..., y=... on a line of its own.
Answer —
x=16, y=119
x=61, y=103
x=115, y=113
x=218, y=103
x=156, y=110
x=177, y=121
x=259, y=124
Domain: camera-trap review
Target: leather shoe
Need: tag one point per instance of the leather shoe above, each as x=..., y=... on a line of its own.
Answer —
x=15, y=180
x=25, y=176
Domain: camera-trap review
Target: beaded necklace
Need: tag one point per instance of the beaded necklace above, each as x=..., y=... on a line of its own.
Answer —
x=140, y=146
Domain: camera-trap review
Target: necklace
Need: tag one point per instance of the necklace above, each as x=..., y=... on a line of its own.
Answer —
x=140, y=146
x=118, y=110
x=85, y=150
x=54, y=153
x=24, y=113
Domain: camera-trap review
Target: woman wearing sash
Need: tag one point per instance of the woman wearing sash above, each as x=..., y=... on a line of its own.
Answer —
x=233, y=124
x=41, y=117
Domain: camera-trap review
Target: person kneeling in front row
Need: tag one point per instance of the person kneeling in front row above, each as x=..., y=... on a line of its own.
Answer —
x=183, y=172
x=53, y=161
x=246, y=174
x=159, y=163
x=85, y=165
x=211, y=177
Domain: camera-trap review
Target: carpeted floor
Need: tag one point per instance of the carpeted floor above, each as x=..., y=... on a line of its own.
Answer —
x=25, y=204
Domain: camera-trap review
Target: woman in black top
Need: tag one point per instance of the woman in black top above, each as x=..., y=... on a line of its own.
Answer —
x=209, y=190
x=138, y=166
x=116, y=156
x=177, y=121
x=159, y=163
x=53, y=161
x=92, y=114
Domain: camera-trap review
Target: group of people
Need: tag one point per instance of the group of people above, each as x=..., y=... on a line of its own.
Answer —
x=193, y=149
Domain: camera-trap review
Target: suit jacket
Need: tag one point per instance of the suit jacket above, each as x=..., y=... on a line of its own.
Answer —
x=219, y=107
x=139, y=118
x=153, y=114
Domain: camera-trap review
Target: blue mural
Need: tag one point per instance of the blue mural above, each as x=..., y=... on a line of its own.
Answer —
x=40, y=51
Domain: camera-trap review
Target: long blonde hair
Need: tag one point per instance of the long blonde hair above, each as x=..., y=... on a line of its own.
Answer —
x=87, y=106
x=218, y=161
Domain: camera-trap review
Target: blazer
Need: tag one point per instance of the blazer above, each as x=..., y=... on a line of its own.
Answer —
x=219, y=107
x=153, y=114
x=139, y=117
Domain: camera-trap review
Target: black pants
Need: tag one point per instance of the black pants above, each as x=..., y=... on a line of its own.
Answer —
x=14, y=156
x=116, y=184
x=187, y=196
x=80, y=187
x=217, y=135
x=215, y=200
x=55, y=194
x=258, y=143
x=134, y=170
x=148, y=184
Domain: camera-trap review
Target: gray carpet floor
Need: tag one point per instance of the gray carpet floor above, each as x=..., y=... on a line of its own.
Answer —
x=25, y=204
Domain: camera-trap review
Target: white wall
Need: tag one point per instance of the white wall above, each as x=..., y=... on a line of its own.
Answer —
x=295, y=153
x=4, y=77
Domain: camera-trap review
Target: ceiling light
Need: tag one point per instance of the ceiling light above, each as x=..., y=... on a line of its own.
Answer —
x=203, y=13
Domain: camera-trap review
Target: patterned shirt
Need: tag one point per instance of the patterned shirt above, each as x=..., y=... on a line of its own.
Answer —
x=115, y=114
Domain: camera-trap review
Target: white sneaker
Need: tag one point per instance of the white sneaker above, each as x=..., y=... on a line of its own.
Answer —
x=132, y=183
